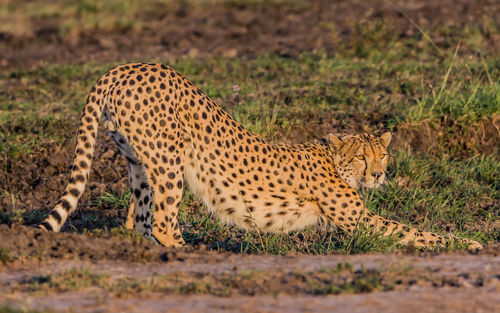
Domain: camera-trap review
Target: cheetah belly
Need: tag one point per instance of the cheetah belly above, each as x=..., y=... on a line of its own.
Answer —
x=210, y=190
x=228, y=203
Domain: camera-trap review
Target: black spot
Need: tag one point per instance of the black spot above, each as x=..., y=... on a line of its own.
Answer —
x=47, y=226
x=65, y=204
x=80, y=178
x=57, y=216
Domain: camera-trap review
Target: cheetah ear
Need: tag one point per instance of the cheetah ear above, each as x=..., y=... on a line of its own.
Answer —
x=386, y=138
x=334, y=141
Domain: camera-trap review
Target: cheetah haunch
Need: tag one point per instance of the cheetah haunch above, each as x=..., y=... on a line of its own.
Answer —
x=172, y=134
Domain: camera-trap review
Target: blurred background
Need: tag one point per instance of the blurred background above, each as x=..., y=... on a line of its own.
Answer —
x=71, y=32
x=290, y=71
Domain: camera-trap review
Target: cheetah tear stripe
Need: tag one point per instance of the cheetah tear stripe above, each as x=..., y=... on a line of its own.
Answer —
x=173, y=135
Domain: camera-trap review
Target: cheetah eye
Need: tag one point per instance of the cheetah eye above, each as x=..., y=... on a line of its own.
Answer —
x=383, y=155
x=361, y=157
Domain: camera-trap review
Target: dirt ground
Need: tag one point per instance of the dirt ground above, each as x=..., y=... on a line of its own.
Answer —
x=406, y=282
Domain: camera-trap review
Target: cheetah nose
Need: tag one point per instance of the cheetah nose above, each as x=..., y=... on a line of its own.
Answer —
x=377, y=174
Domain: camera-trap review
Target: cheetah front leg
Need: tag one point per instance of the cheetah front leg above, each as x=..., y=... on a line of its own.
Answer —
x=350, y=213
x=411, y=235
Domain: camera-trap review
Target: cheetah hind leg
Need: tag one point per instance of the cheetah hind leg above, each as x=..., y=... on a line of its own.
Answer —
x=164, y=181
x=139, y=215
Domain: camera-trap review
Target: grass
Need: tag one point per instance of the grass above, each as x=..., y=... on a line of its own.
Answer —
x=376, y=80
x=453, y=195
x=5, y=256
x=115, y=200
x=70, y=280
x=277, y=93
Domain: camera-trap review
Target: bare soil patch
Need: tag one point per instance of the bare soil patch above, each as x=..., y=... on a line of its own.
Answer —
x=38, y=180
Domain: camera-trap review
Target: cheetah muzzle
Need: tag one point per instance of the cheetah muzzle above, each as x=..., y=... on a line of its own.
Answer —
x=173, y=135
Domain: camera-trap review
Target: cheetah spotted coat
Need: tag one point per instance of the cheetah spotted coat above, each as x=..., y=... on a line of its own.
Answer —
x=173, y=135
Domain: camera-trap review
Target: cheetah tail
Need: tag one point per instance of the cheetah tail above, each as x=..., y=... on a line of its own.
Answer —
x=80, y=170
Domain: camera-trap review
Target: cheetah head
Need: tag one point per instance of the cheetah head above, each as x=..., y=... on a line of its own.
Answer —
x=361, y=159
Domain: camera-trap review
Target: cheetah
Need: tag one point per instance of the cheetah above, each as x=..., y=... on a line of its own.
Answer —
x=173, y=135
